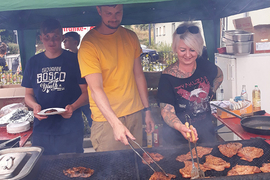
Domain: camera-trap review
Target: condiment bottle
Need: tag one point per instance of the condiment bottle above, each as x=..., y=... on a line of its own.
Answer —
x=156, y=136
x=244, y=92
x=149, y=140
x=220, y=94
x=256, y=99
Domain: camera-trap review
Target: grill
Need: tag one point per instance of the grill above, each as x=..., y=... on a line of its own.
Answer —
x=126, y=165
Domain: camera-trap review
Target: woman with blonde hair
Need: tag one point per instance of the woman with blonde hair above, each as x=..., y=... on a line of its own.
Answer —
x=186, y=87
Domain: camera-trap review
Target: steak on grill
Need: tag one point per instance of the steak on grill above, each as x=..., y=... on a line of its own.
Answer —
x=249, y=153
x=201, y=152
x=229, y=149
x=186, y=171
x=265, y=167
x=79, y=172
x=216, y=163
x=155, y=156
x=242, y=170
x=161, y=176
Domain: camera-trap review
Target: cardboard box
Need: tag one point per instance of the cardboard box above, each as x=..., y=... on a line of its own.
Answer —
x=224, y=114
x=262, y=38
x=11, y=94
x=244, y=24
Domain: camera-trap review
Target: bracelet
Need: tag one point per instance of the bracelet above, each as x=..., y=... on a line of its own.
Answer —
x=147, y=109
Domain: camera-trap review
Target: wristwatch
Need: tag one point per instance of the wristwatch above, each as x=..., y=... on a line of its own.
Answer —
x=147, y=109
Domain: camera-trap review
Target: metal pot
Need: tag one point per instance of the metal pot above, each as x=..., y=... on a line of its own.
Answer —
x=254, y=124
x=238, y=35
x=239, y=48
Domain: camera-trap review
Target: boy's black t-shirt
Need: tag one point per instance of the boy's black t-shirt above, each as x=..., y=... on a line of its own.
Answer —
x=55, y=83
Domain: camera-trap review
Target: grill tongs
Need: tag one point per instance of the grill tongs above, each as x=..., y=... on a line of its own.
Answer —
x=147, y=155
x=195, y=173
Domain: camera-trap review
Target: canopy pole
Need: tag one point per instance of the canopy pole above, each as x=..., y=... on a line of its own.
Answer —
x=211, y=29
x=27, y=45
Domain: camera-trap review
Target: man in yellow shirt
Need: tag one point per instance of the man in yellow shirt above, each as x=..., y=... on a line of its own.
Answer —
x=109, y=58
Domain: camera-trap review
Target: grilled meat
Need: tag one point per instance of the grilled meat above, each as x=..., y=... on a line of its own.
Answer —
x=186, y=171
x=155, y=156
x=241, y=170
x=201, y=152
x=229, y=149
x=265, y=167
x=51, y=110
x=249, y=153
x=216, y=163
x=79, y=172
x=161, y=176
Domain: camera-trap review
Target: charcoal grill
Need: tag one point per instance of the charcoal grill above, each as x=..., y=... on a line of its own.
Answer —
x=126, y=165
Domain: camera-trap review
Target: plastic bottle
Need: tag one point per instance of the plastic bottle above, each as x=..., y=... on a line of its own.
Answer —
x=149, y=140
x=244, y=92
x=156, y=136
x=220, y=94
x=256, y=99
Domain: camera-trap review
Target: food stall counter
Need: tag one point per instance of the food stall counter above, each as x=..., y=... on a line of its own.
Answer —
x=24, y=135
x=234, y=124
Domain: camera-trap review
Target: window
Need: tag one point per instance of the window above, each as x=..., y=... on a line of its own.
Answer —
x=159, y=31
x=164, y=32
x=173, y=27
x=156, y=31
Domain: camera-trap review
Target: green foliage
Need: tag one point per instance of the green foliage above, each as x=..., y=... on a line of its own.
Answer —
x=87, y=129
x=7, y=36
x=164, y=47
x=40, y=50
x=13, y=48
x=143, y=27
x=128, y=27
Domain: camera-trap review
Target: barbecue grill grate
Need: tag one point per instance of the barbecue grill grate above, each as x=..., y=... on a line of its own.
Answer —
x=127, y=165
x=106, y=165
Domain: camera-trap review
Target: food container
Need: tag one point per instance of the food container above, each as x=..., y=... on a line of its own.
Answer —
x=17, y=163
x=239, y=48
x=238, y=35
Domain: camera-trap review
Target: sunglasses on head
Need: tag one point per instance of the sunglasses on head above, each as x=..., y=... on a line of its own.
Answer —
x=191, y=29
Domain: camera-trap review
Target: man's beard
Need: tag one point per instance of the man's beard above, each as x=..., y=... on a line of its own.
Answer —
x=111, y=27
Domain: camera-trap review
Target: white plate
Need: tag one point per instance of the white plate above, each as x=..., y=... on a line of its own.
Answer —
x=59, y=111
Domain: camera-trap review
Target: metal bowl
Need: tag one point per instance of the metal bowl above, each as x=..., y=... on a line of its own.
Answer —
x=239, y=48
x=238, y=35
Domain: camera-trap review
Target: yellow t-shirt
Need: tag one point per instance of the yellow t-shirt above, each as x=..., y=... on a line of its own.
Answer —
x=113, y=56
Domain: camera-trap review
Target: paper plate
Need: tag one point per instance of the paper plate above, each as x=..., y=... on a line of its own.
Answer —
x=47, y=112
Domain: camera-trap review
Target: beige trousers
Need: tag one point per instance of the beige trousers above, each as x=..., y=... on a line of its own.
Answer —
x=102, y=136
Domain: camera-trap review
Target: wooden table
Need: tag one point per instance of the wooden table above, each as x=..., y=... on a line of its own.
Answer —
x=234, y=125
x=24, y=135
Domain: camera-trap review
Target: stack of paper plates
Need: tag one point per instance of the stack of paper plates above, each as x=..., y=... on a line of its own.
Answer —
x=14, y=128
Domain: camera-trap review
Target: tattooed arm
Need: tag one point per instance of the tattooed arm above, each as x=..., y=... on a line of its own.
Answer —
x=218, y=80
x=169, y=116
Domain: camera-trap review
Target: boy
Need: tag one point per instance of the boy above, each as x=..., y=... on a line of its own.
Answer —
x=72, y=41
x=52, y=82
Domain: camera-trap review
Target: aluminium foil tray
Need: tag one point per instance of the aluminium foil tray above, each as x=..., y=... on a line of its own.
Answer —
x=24, y=159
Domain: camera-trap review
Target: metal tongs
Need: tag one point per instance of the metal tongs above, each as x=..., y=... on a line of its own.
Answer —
x=147, y=155
x=195, y=172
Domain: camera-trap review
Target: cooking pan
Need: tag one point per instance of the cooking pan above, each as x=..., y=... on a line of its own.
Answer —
x=254, y=124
